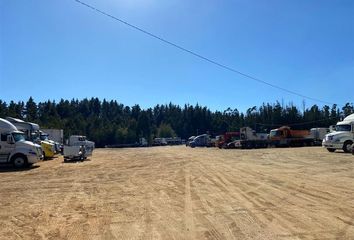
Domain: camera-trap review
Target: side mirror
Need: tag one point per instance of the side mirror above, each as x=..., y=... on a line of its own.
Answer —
x=10, y=140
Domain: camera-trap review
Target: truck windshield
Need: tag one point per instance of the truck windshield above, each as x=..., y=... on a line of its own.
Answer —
x=343, y=128
x=18, y=137
x=44, y=137
x=275, y=133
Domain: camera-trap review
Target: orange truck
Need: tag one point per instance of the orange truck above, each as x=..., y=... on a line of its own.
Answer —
x=286, y=137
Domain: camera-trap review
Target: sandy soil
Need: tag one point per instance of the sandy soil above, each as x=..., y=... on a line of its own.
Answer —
x=182, y=193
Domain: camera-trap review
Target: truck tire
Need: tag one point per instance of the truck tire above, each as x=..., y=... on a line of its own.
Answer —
x=347, y=146
x=331, y=149
x=19, y=161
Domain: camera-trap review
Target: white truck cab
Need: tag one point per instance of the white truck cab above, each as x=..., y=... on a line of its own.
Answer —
x=342, y=137
x=15, y=149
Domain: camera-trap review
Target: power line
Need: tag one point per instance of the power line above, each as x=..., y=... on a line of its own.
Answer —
x=200, y=56
x=298, y=124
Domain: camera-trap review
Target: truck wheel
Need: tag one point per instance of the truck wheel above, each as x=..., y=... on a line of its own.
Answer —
x=19, y=162
x=331, y=149
x=347, y=146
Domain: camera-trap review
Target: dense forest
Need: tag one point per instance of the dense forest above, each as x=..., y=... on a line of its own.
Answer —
x=110, y=122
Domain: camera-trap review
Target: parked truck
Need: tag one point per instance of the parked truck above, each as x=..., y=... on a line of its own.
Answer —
x=43, y=136
x=78, y=148
x=286, y=137
x=250, y=139
x=32, y=133
x=318, y=134
x=201, y=141
x=222, y=141
x=343, y=136
x=15, y=149
x=189, y=140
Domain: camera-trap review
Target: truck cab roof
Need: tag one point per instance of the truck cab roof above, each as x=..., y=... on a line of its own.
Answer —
x=6, y=126
x=22, y=124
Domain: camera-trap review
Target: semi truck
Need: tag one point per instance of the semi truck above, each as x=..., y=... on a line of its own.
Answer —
x=250, y=139
x=286, y=137
x=201, y=141
x=32, y=133
x=15, y=149
x=222, y=141
x=189, y=140
x=343, y=136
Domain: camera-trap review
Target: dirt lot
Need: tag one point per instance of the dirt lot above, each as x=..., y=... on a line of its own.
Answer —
x=182, y=193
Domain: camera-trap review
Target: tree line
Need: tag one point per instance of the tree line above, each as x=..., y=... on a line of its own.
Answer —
x=110, y=122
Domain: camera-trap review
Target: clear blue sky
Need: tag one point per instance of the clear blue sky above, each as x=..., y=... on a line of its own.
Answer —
x=61, y=49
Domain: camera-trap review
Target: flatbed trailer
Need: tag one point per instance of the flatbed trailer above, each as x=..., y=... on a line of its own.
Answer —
x=250, y=144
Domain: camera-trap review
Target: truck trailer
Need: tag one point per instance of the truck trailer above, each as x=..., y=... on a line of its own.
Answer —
x=251, y=139
x=57, y=135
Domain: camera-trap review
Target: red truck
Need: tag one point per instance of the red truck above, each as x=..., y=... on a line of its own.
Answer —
x=227, y=138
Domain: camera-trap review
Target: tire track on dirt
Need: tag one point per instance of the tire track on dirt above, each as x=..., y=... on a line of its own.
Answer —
x=189, y=216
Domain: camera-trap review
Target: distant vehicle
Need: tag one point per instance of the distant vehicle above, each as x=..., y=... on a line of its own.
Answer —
x=78, y=148
x=342, y=137
x=189, y=140
x=286, y=137
x=318, y=134
x=143, y=142
x=174, y=141
x=15, y=149
x=222, y=141
x=159, y=142
x=250, y=139
x=201, y=141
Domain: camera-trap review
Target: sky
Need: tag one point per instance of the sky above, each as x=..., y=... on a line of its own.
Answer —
x=62, y=49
